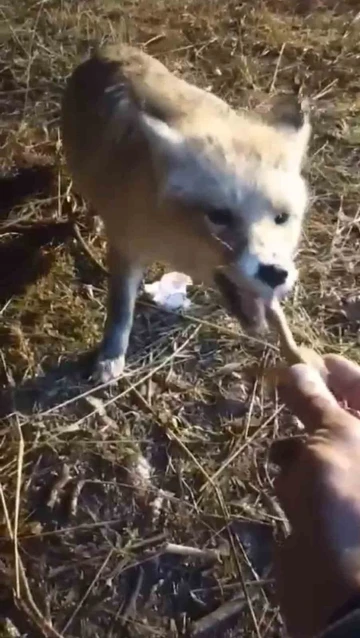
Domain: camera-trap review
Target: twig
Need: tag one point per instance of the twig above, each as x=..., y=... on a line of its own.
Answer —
x=226, y=516
x=75, y=497
x=262, y=582
x=26, y=602
x=239, y=450
x=19, y=228
x=81, y=602
x=155, y=38
x=6, y=513
x=213, y=326
x=193, y=458
x=211, y=622
x=101, y=386
x=130, y=608
x=60, y=482
x=141, y=381
x=140, y=400
x=17, y=505
x=185, y=550
x=31, y=57
x=147, y=542
x=88, y=250
x=29, y=606
x=225, y=512
x=241, y=575
x=272, y=85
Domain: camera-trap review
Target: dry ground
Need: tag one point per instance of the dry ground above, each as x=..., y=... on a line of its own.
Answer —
x=94, y=484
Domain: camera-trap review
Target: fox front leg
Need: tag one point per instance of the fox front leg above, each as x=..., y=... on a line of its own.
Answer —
x=124, y=281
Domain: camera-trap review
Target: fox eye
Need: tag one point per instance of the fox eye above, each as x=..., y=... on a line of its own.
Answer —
x=281, y=218
x=220, y=217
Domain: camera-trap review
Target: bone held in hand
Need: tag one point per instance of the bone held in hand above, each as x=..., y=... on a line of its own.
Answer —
x=290, y=351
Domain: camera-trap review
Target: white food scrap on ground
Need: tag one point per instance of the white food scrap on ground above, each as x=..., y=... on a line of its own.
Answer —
x=170, y=291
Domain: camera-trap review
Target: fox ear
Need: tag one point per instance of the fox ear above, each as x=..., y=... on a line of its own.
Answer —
x=292, y=118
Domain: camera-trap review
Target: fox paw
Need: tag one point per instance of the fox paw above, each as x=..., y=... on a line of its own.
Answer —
x=109, y=370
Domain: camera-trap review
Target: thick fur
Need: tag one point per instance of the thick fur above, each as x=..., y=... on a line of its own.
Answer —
x=178, y=176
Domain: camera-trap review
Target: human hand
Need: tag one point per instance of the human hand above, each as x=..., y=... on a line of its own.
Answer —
x=318, y=566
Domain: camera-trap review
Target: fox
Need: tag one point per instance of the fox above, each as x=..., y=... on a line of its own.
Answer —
x=179, y=176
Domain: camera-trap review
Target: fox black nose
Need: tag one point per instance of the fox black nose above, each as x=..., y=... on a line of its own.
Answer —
x=272, y=275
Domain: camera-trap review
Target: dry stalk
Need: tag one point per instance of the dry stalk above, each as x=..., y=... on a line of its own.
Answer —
x=88, y=250
x=236, y=453
x=88, y=591
x=20, y=462
x=141, y=381
x=210, y=623
x=225, y=513
x=130, y=608
x=196, y=552
x=59, y=484
x=25, y=600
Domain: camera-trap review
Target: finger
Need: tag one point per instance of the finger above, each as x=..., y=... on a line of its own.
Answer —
x=344, y=379
x=308, y=397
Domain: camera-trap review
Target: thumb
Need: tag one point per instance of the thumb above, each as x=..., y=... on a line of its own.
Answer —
x=306, y=394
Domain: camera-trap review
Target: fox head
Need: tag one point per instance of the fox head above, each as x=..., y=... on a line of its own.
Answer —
x=238, y=181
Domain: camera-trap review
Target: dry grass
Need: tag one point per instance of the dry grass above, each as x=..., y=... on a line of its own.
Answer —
x=95, y=482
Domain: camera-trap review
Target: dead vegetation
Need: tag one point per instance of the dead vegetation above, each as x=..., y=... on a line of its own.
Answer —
x=147, y=510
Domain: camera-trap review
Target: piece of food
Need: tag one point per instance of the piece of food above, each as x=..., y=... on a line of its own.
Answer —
x=253, y=313
x=290, y=351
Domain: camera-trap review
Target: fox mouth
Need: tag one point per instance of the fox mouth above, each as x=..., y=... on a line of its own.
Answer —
x=248, y=298
x=247, y=307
